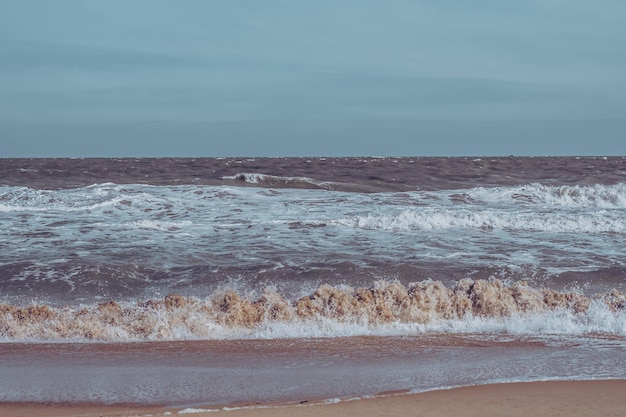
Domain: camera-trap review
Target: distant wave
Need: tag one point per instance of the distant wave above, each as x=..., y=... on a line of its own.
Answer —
x=531, y=195
x=276, y=181
x=273, y=180
x=385, y=308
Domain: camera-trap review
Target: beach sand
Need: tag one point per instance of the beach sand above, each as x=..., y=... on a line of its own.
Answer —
x=555, y=398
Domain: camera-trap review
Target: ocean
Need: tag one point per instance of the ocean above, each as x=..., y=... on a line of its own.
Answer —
x=220, y=281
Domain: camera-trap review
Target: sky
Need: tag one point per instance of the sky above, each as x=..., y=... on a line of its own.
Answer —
x=312, y=78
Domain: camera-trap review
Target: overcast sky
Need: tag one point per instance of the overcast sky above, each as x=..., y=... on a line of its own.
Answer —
x=273, y=78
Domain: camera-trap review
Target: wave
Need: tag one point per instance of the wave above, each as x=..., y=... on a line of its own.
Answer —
x=593, y=196
x=275, y=180
x=385, y=308
x=24, y=199
x=596, y=195
x=298, y=182
x=487, y=219
x=601, y=196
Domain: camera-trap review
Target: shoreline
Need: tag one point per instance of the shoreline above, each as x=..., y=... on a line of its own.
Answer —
x=213, y=374
x=543, y=398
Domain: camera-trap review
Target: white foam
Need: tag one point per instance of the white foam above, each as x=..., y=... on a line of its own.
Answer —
x=24, y=199
x=487, y=219
x=192, y=323
x=158, y=225
x=196, y=411
x=257, y=178
x=251, y=178
x=597, y=195
x=532, y=227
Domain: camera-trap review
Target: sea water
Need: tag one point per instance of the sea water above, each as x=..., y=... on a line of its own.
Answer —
x=514, y=264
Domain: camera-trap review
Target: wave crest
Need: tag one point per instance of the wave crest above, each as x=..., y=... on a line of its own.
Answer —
x=486, y=220
x=596, y=195
x=423, y=306
x=277, y=181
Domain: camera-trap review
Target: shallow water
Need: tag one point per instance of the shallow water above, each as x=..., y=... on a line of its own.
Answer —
x=261, y=371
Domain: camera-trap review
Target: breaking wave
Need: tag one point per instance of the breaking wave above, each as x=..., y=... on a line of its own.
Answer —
x=387, y=308
x=278, y=181
x=597, y=195
x=93, y=197
x=441, y=218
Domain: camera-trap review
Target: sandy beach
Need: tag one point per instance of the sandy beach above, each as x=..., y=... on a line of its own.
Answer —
x=562, y=398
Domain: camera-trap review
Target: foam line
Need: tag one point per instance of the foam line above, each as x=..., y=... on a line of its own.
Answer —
x=385, y=308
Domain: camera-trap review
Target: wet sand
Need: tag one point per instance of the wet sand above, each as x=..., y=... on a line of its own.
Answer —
x=562, y=398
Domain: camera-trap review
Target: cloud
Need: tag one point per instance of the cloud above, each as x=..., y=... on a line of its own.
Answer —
x=118, y=62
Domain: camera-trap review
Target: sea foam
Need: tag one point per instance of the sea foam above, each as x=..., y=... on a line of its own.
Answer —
x=387, y=308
